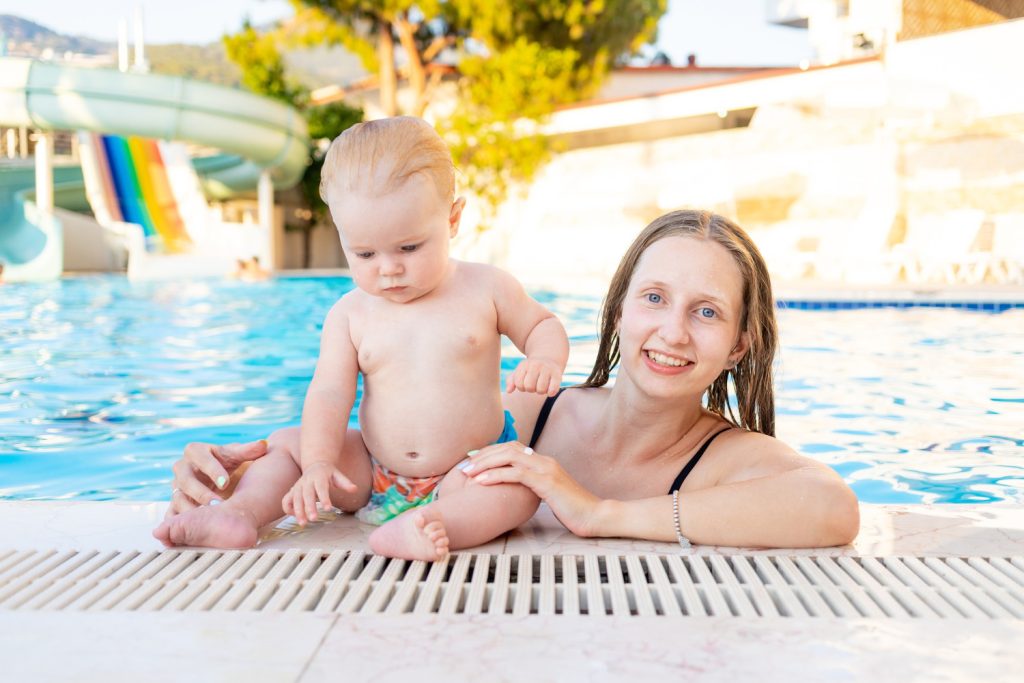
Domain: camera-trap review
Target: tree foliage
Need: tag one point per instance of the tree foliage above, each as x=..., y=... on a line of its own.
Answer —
x=518, y=60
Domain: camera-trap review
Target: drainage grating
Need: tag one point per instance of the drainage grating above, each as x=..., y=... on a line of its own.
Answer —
x=357, y=582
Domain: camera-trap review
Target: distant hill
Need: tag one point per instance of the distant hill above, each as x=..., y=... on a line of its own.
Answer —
x=32, y=39
x=203, y=62
x=314, y=67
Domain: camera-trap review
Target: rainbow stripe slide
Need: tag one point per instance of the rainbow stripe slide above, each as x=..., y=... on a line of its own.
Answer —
x=135, y=185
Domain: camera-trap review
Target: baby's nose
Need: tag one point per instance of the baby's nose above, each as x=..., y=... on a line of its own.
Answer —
x=390, y=267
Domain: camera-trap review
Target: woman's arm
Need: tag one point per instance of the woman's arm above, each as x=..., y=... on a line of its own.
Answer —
x=776, y=499
x=805, y=507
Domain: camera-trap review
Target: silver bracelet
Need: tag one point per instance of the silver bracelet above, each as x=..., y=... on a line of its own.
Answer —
x=684, y=542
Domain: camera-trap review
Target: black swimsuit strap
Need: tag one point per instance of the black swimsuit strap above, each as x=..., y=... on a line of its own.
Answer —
x=542, y=418
x=693, y=461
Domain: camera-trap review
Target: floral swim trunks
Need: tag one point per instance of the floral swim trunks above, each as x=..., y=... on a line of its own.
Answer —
x=392, y=494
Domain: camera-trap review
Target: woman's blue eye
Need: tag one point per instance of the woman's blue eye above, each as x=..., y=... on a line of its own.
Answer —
x=707, y=312
x=654, y=298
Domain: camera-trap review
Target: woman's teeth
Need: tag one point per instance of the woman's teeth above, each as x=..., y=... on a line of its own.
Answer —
x=662, y=359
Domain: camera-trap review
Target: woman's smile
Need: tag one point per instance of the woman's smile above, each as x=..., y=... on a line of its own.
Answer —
x=666, y=364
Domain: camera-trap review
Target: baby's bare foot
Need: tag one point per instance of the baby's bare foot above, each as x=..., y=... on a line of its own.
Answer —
x=416, y=535
x=212, y=527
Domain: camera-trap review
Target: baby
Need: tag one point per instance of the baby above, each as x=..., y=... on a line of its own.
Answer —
x=424, y=330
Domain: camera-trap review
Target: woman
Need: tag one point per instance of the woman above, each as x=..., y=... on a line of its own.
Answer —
x=689, y=309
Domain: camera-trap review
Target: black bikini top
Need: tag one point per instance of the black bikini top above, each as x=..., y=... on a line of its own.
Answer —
x=549, y=403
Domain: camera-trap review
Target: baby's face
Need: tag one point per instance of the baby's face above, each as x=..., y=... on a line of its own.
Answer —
x=396, y=244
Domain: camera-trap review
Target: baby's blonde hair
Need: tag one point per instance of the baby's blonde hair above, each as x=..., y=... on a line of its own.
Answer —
x=377, y=157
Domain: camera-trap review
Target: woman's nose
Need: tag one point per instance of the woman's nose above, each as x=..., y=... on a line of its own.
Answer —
x=674, y=329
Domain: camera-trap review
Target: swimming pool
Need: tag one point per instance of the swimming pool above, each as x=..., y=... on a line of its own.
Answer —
x=103, y=381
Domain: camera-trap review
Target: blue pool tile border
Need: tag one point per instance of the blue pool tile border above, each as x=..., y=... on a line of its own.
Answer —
x=824, y=305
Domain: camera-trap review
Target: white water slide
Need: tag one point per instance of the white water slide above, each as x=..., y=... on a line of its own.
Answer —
x=266, y=136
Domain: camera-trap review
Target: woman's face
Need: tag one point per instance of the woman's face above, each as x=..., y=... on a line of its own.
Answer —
x=680, y=324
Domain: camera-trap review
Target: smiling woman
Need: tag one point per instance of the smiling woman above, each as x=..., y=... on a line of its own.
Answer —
x=689, y=313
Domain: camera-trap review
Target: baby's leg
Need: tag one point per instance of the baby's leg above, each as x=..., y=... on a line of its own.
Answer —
x=256, y=500
x=465, y=514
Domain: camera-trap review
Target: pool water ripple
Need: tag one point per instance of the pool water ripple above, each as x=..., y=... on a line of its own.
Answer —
x=103, y=381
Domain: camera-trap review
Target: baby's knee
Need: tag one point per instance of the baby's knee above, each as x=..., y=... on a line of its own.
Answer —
x=284, y=443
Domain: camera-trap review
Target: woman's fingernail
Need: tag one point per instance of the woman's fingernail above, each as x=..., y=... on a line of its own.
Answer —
x=465, y=465
x=214, y=501
x=222, y=481
x=480, y=477
x=473, y=452
x=264, y=442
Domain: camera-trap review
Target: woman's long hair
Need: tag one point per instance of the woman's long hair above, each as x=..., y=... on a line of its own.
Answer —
x=752, y=375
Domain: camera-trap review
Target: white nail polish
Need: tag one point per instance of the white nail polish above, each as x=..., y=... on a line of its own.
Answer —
x=214, y=501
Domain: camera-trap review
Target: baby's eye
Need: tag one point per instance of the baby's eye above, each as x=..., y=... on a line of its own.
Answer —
x=706, y=312
x=410, y=247
x=653, y=298
x=364, y=254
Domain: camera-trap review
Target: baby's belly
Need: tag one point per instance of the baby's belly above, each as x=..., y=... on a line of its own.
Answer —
x=423, y=436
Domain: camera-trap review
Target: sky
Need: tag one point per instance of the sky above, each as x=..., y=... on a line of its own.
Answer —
x=719, y=32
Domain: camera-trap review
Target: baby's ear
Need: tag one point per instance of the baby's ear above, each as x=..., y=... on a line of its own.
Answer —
x=455, y=216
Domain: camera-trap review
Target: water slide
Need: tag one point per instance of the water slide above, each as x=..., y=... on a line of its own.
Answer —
x=254, y=132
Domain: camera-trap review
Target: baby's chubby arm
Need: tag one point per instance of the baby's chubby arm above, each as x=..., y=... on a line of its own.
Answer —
x=329, y=400
x=536, y=332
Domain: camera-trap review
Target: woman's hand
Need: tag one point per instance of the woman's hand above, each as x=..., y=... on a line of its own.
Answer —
x=205, y=467
x=511, y=462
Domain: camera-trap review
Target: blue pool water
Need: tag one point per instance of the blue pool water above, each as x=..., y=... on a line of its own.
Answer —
x=103, y=381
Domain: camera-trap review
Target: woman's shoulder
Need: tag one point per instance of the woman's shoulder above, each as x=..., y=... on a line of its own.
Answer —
x=572, y=402
x=745, y=454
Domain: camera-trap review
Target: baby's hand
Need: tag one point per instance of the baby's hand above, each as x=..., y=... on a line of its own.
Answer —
x=314, y=485
x=535, y=376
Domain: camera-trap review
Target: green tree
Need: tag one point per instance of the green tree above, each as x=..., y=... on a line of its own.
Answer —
x=518, y=61
x=369, y=28
x=538, y=55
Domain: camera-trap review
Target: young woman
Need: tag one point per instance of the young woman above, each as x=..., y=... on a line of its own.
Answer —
x=662, y=454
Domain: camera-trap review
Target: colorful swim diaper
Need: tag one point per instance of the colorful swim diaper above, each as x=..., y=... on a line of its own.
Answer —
x=392, y=494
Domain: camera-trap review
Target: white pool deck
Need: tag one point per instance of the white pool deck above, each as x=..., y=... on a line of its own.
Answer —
x=308, y=646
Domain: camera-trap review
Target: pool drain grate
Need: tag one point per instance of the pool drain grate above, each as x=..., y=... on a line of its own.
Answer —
x=359, y=583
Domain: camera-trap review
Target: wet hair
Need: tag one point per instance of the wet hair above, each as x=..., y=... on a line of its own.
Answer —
x=378, y=157
x=752, y=376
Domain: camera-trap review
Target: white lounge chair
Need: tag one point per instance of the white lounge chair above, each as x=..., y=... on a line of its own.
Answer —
x=938, y=248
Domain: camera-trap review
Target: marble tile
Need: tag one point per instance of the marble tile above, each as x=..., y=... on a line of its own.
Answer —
x=941, y=530
x=65, y=525
x=334, y=531
x=595, y=649
x=926, y=530
x=154, y=647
